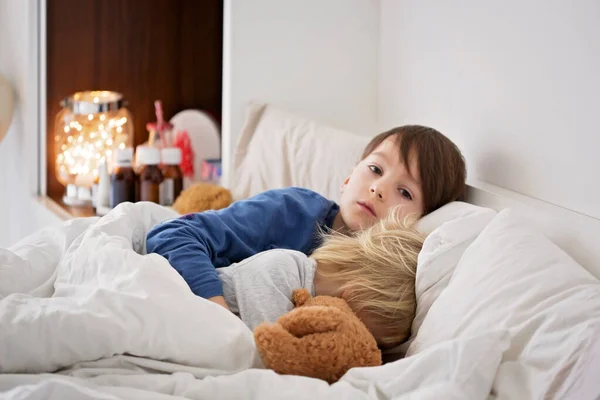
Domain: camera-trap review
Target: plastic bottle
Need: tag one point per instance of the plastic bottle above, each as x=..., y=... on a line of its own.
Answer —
x=172, y=183
x=150, y=176
x=123, y=178
x=102, y=197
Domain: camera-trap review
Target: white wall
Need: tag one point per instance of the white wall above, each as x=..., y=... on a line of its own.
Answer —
x=516, y=84
x=318, y=58
x=20, y=214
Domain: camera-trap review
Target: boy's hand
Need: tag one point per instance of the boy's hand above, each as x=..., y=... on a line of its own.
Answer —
x=220, y=300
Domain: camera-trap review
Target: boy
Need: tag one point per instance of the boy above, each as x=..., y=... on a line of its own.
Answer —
x=373, y=270
x=412, y=166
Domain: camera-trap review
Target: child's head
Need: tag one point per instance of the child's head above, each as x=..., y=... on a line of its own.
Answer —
x=413, y=166
x=374, y=271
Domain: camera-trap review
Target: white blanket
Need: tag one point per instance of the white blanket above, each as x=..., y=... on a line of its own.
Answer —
x=84, y=313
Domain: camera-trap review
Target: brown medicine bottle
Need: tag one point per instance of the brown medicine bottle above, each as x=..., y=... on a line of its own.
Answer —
x=123, y=179
x=150, y=176
x=172, y=183
x=95, y=192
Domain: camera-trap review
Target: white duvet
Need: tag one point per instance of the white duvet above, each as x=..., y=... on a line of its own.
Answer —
x=85, y=314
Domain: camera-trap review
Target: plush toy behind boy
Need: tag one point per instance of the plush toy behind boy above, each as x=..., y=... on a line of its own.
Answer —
x=202, y=197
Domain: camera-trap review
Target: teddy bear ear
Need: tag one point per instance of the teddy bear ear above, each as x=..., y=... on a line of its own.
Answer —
x=300, y=297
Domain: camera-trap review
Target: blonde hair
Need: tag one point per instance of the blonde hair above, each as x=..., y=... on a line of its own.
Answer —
x=376, y=270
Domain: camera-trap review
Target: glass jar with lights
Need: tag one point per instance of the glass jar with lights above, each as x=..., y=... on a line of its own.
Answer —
x=89, y=128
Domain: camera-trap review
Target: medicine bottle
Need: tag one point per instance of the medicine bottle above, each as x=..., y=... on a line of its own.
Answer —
x=150, y=176
x=172, y=183
x=123, y=179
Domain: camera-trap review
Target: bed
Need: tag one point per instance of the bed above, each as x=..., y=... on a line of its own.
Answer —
x=507, y=291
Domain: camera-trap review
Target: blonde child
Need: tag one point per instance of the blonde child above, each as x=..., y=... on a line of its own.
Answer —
x=373, y=270
x=412, y=166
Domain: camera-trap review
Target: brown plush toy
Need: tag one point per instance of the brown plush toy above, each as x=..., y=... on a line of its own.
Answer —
x=201, y=197
x=320, y=338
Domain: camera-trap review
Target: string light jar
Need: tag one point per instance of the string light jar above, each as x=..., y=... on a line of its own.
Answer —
x=90, y=127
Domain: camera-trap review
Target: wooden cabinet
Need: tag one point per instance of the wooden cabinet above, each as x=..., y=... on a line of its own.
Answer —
x=146, y=49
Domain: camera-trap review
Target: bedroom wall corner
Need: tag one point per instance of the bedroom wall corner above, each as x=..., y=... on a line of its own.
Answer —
x=315, y=58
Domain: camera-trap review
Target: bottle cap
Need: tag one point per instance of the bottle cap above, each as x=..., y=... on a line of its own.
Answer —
x=124, y=157
x=171, y=156
x=148, y=155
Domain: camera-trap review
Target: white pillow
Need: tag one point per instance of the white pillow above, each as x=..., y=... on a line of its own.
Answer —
x=278, y=149
x=514, y=278
x=450, y=230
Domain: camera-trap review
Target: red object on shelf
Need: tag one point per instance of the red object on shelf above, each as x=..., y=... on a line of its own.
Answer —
x=158, y=127
x=160, y=131
x=183, y=142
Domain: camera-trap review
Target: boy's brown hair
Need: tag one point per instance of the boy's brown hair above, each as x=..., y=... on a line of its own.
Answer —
x=441, y=165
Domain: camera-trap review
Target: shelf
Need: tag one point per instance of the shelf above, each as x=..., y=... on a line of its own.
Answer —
x=65, y=212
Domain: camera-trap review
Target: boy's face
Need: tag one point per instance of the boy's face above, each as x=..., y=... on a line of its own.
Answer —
x=379, y=183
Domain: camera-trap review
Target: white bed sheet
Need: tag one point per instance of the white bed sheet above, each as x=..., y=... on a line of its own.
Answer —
x=457, y=369
x=84, y=315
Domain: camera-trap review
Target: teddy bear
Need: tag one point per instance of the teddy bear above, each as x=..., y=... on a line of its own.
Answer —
x=202, y=196
x=320, y=338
